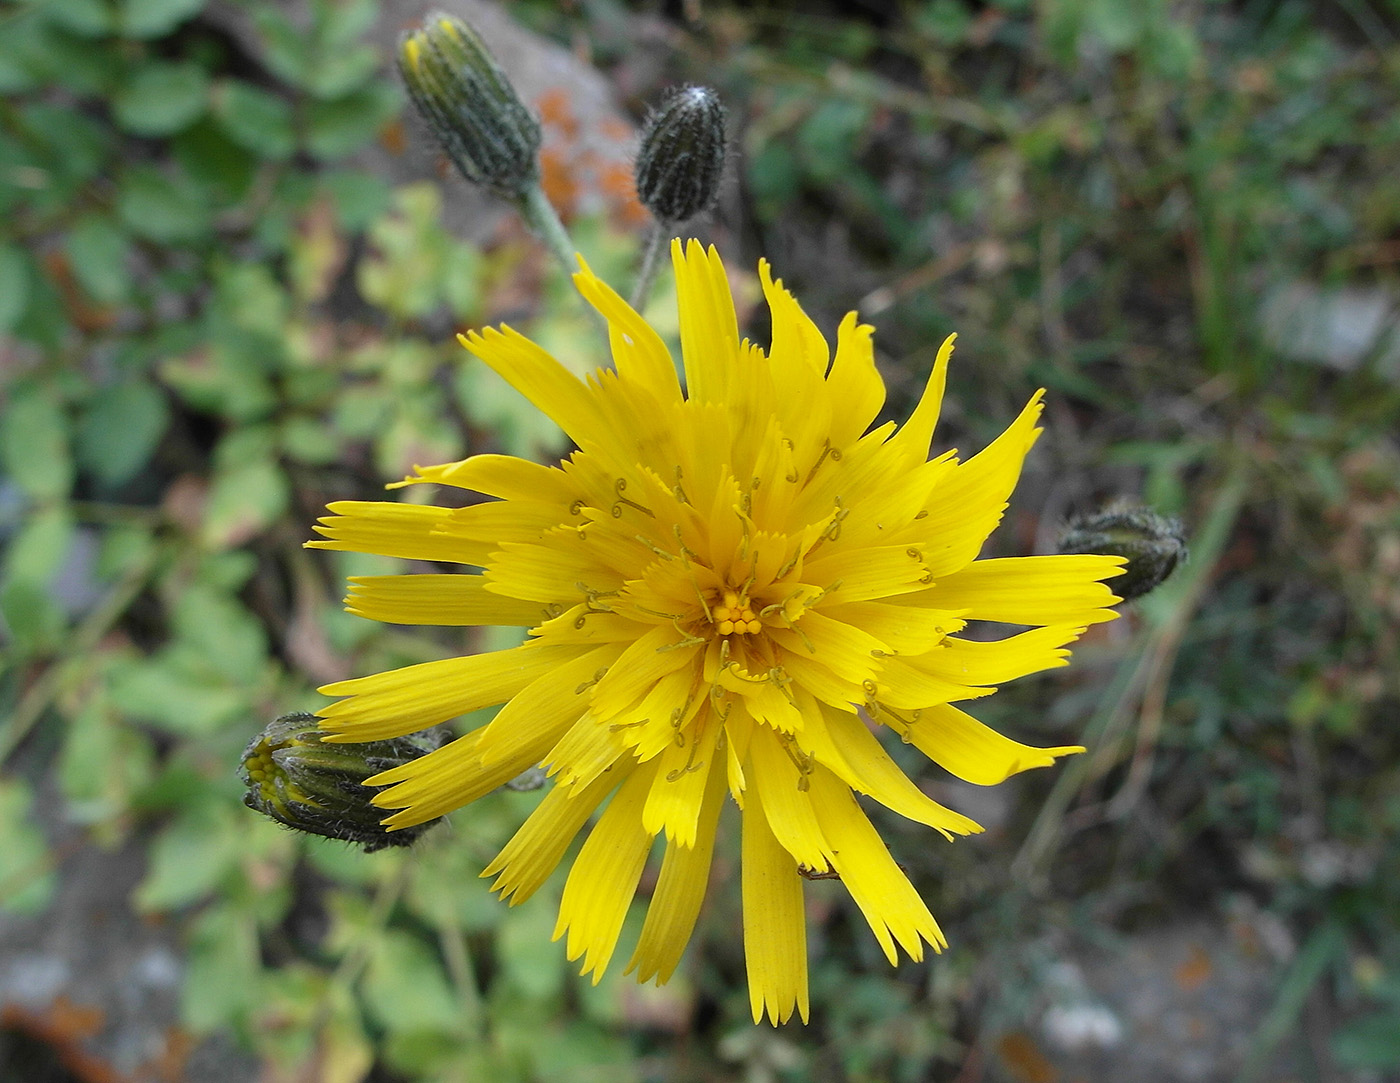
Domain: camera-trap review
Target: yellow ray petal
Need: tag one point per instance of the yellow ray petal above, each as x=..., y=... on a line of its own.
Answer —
x=497, y=521
x=854, y=387
x=889, y=902
x=873, y=773
x=775, y=926
x=673, y=805
x=394, y=530
x=798, y=361
x=503, y=476
x=436, y=599
x=910, y=444
x=637, y=350
x=548, y=572
x=967, y=503
x=971, y=662
x=903, y=685
x=906, y=630
x=1031, y=590
x=558, y=393
x=587, y=751
x=443, y=780
x=680, y=891
x=417, y=697
x=533, y=852
x=537, y=716
x=709, y=329
x=963, y=746
x=773, y=773
x=644, y=662
x=604, y=877
x=865, y=573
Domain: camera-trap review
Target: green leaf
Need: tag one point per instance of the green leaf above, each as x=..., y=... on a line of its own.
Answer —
x=530, y=962
x=287, y=50
x=255, y=119
x=190, y=859
x=161, y=99
x=172, y=692
x=121, y=430
x=153, y=18
x=89, y=18
x=103, y=763
x=340, y=71
x=221, y=169
x=1369, y=1042
x=217, y=634
x=223, y=984
x=405, y=989
x=38, y=549
x=14, y=285
x=344, y=125
x=33, y=618
x=34, y=443
x=359, y=198
x=97, y=251
x=26, y=873
x=160, y=206
x=246, y=498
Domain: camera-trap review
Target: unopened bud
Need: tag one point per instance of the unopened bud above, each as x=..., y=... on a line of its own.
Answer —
x=305, y=784
x=1152, y=544
x=470, y=105
x=681, y=160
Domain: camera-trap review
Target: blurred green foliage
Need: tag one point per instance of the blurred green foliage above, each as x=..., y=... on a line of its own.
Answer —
x=216, y=319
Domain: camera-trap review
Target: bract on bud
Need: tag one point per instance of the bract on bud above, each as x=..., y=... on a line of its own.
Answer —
x=470, y=105
x=681, y=160
x=303, y=783
x=1152, y=544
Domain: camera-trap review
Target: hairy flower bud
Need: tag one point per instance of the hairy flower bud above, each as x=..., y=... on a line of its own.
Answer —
x=303, y=783
x=470, y=105
x=681, y=160
x=1152, y=544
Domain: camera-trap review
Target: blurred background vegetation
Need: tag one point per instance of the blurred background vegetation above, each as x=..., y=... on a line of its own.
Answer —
x=219, y=309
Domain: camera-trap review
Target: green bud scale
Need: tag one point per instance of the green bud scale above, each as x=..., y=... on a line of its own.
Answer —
x=470, y=105
x=303, y=783
x=1152, y=544
x=681, y=160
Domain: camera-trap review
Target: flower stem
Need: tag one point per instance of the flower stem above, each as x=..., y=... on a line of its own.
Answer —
x=656, y=241
x=540, y=216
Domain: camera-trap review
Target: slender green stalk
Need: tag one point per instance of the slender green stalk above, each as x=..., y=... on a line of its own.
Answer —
x=540, y=216
x=656, y=243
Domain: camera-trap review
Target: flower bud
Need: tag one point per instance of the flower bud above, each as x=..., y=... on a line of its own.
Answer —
x=303, y=783
x=681, y=160
x=1152, y=544
x=470, y=105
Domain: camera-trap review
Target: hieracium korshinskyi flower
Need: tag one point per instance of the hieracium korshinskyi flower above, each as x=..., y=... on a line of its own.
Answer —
x=729, y=588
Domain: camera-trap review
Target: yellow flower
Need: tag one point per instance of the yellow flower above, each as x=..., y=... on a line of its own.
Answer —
x=723, y=587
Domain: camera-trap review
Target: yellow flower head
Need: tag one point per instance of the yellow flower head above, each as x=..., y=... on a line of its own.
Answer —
x=724, y=586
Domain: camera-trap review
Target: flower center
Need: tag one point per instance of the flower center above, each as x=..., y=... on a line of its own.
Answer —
x=734, y=616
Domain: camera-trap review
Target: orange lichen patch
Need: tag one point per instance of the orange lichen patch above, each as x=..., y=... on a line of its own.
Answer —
x=558, y=179
x=393, y=138
x=1194, y=972
x=63, y=1027
x=616, y=183
x=557, y=111
x=1023, y=1059
x=615, y=130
